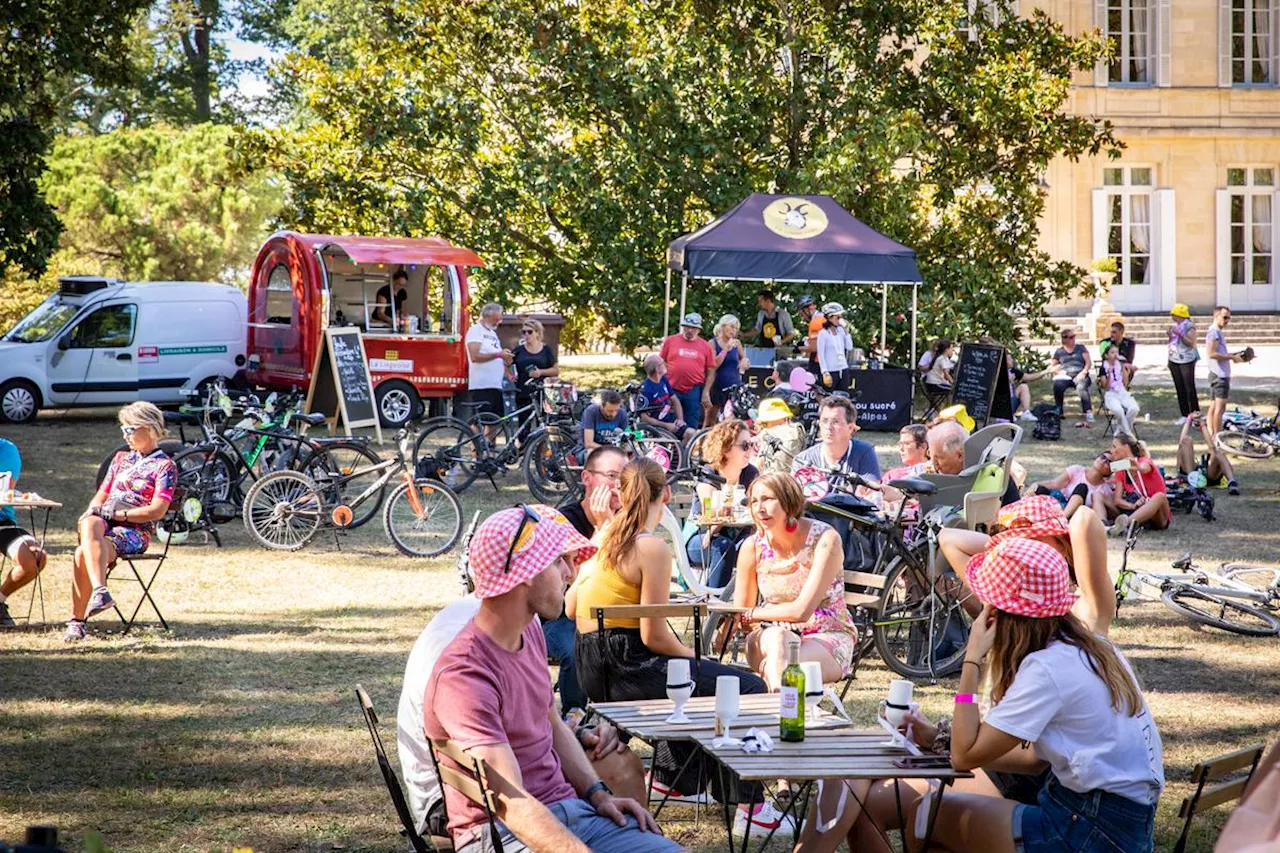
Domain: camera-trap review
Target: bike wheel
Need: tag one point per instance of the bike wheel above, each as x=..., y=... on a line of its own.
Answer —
x=693, y=446
x=549, y=471
x=283, y=511
x=208, y=475
x=1261, y=578
x=920, y=630
x=1220, y=611
x=340, y=459
x=661, y=437
x=428, y=529
x=1243, y=444
x=449, y=450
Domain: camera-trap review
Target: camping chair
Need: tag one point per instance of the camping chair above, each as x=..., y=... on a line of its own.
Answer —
x=409, y=831
x=1212, y=770
x=471, y=779
x=935, y=398
x=150, y=558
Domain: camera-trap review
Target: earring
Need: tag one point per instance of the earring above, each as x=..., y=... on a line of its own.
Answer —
x=792, y=524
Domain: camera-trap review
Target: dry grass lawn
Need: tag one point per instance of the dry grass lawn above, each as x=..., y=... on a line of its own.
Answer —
x=239, y=727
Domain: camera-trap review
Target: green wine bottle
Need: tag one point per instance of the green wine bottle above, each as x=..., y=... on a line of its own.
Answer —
x=792, y=713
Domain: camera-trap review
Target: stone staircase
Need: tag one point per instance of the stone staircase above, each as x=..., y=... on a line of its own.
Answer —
x=1245, y=329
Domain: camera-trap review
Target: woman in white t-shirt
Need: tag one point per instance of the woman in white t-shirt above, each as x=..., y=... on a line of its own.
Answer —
x=834, y=345
x=939, y=375
x=1067, y=693
x=1062, y=699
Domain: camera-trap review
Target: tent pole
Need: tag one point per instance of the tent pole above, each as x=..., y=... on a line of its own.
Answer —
x=915, y=293
x=666, y=308
x=884, y=314
x=684, y=288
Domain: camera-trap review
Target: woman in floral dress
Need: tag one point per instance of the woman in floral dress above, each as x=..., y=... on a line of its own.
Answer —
x=794, y=567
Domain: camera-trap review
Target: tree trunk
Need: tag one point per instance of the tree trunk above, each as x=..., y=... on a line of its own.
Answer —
x=198, y=20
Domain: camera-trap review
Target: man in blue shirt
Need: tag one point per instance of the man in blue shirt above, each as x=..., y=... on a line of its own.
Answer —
x=20, y=546
x=602, y=421
x=838, y=449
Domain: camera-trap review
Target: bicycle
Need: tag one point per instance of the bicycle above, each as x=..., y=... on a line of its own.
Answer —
x=1243, y=599
x=422, y=517
x=1251, y=436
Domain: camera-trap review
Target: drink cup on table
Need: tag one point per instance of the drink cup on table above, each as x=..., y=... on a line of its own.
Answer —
x=728, y=699
x=894, y=708
x=812, y=689
x=679, y=688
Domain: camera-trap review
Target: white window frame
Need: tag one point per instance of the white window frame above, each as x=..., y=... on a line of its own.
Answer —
x=1225, y=255
x=1226, y=44
x=1159, y=43
x=1162, y=236
x=991, y=11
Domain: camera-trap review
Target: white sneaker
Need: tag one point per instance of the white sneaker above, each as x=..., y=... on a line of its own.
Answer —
x=1028, y=417
x=1088, y=417
x=767, y=819
x=661, y=791
x=1180, y=421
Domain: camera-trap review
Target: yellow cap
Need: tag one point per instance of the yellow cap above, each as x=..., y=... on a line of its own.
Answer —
x=959, y=414
x=773, y=409
x=1181, y=310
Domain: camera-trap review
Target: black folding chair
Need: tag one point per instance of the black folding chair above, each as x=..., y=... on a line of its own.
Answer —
x=408, y=830
x=153, y=560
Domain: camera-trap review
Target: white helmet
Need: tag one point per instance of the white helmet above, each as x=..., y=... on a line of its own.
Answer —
x=178, y=536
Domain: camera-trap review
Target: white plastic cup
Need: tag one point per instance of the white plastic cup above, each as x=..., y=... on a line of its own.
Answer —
x=678, y=671
x=900, y=691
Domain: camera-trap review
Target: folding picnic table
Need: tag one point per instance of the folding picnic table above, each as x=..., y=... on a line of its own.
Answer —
x=33, y=504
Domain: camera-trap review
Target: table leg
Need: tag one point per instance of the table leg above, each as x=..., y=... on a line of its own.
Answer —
x=790, y=809
x=683, y=767
x=728, y=807
x=751, y=808
x=934, y=808
x=863, y=808
x=697, y=640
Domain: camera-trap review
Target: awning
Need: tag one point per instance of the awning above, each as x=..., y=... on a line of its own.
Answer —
x=434, y=251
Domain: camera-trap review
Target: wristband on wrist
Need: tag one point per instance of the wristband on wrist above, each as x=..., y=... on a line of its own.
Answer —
x=598, y=786
x=966, y=699
x=973, y=663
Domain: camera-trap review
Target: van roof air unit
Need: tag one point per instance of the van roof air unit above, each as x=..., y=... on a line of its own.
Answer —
x=79, y=285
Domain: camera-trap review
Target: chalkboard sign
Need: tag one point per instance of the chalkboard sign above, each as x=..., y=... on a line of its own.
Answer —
x=981, y=383
x=340, y=383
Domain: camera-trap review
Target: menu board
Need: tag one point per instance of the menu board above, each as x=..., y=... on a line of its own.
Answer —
x=340, y=384
x=981, y=383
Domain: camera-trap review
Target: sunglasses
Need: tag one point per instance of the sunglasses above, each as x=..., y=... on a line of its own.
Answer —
x=744, y=446
x=127, y=431
x=529, y=515
x=526, y=331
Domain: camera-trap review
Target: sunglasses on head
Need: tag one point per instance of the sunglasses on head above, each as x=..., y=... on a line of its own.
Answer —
x=529, y=515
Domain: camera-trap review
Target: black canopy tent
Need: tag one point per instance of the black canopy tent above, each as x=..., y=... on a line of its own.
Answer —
x=805, y=238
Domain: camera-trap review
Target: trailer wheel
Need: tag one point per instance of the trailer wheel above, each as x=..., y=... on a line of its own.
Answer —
x=398, y=403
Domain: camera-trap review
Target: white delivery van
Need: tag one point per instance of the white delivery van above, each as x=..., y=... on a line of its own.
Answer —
x=105, y=342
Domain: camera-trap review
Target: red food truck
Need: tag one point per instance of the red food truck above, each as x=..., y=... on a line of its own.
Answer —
x=304, y=283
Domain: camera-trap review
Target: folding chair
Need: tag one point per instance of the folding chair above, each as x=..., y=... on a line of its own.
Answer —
x=409, y=831
x=152, y=559
x=1203, y=799
x=862, y=592
x=935, y=398
x=471, y=778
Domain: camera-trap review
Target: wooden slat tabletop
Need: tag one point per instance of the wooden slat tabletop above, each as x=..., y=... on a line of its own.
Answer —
x=646, y=719
x=826, y=754
x=38, y=503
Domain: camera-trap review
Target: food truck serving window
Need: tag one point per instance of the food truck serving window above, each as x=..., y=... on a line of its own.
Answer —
x=425, y=301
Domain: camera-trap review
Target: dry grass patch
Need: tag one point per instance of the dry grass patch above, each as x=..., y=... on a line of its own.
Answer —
x=240, y=726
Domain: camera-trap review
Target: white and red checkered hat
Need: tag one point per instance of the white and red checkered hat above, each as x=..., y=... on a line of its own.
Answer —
x=541, y=544
x=1026, y=577
x=1033, y=517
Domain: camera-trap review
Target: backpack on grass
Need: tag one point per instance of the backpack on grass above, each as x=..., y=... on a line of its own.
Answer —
x=1048, y=422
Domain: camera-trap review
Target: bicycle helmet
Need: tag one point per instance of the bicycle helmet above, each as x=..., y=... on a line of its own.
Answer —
x=832, y=309
x=181, y=530
x=805, y=301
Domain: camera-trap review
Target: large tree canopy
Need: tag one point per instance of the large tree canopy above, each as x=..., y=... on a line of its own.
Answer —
x=568, y=142
x=42, y=43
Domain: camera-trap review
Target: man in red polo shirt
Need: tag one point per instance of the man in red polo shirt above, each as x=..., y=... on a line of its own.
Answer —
x=691, y=367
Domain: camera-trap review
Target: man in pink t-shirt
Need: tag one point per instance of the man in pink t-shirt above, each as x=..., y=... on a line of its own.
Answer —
x=691, y=367
x=490, y=693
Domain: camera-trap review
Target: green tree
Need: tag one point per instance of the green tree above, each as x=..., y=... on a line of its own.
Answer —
x=569, y=142
x=42, y=43
x=157, y=203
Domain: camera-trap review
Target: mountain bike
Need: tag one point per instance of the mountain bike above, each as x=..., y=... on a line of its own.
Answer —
x=1242, y=599
x=286, y=509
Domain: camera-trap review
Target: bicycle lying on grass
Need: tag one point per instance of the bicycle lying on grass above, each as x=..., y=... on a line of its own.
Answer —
x=1251, y=436
x=1243, y=599
x=422, y=517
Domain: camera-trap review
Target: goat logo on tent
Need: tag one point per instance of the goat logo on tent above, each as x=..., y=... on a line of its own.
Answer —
x=796, y=218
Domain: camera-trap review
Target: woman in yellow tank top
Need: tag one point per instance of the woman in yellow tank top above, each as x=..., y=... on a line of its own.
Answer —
x=633, y=566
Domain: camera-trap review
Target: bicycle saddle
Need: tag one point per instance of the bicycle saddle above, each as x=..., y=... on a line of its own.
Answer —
x=848, y=503
x=914, y=486
x=1184, y=562
x=314, y=418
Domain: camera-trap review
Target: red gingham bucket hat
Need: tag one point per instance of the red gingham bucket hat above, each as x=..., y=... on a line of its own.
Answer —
x=540, y=544
x=1024, y=577
x=1033, y=517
